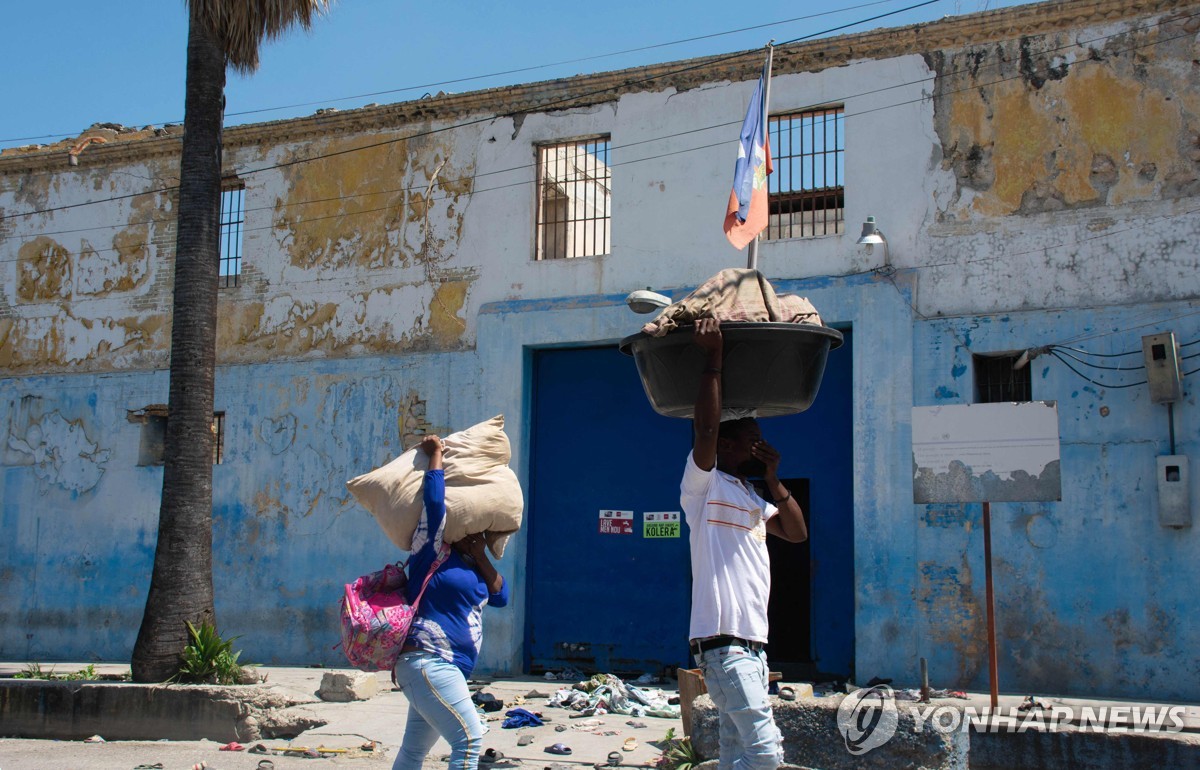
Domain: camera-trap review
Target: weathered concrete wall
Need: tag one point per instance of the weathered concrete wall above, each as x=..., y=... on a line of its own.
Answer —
x=1093, y=595
x=1033, y=170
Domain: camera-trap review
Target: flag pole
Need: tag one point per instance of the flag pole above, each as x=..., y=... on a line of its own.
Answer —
x=752, y=252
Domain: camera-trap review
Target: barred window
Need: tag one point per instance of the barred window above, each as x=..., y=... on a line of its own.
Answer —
x=997, y=382
x=807, y=196
x=574, y=213
x=233, y=193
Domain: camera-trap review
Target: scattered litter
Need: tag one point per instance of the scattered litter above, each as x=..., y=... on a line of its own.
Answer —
x=94, y=739
x=519, y=717
x=630, y=744
x=606, y=693
x=155, y=766
x=1030, y=704
x=266, y=764
x=648, y=679
x=258, y=748
x=560, y=728
x=635, y=724
x=536, y=694
x=787, y=693
x=566, y=675
x=558, y=748
x=614, y=758
x=525, y=739
x=232, y=746
x=490, y=756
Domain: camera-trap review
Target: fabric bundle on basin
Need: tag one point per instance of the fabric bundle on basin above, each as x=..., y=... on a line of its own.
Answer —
x=482, y=492
x=735, y=294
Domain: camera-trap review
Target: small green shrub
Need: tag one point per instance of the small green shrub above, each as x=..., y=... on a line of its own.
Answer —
x=35, y=671
x=678, y=753
x=209, y=659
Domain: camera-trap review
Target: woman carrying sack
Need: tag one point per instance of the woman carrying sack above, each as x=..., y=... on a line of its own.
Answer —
x=446, y=634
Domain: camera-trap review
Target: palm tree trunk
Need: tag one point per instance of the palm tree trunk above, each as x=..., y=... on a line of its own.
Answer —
x=181, y=586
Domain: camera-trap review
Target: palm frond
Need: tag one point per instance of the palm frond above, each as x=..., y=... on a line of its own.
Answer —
x=241, y=26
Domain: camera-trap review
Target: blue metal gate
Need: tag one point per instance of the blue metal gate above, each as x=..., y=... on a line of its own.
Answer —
x=602, y=601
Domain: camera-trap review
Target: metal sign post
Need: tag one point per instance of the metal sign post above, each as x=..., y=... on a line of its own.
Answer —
x=986, y=453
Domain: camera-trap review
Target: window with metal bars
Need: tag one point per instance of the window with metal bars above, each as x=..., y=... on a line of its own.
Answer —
x=574, y=189
x=807, y=197
x=233, y=195
x=154, y=432
x=996, y=381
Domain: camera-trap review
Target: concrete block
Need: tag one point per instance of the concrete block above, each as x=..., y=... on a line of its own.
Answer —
x=343, y=687
x=140, y=712
x=811, y=738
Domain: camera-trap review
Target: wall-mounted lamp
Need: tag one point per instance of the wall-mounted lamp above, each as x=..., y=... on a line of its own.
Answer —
x=646, y=301
x=872, y=236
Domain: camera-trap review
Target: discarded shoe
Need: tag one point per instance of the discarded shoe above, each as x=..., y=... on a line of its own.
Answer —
x=490, y=756
x=787, y=693
x=258, y=748
x=558, y=748
x=630, y=744
x=232, y=746
x=266, y=764
x=525, y=740
x=155, y=766
x=614, y=758
x=560, y=728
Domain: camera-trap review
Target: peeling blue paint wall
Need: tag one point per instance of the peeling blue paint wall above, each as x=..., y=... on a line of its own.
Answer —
x=1092, y=594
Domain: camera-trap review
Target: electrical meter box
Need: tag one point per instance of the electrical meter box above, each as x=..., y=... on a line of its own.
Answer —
x=1162, y=367
x=1174, y=505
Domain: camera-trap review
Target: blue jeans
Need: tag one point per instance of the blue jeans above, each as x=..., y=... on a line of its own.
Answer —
x=439, y=704
x=737, y=680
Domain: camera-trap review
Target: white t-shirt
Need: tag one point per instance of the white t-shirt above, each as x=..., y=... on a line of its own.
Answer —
x=731, y=570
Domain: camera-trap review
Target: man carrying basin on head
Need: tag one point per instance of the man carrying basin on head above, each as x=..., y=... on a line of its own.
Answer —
x=731, y=569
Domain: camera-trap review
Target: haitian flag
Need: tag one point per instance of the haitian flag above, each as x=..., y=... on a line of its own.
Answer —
x=746, y=215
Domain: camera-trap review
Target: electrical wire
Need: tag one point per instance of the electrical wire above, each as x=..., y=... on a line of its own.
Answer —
x=1095, y=366
x=502, y=73
x=317, y=157
x=1089, y=379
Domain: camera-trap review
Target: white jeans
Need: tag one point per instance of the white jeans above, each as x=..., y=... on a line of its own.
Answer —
x=737, y=679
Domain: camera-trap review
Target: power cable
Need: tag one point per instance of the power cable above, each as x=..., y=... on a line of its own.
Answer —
x=1089, y=379
x=504, y=72
x=541, y=108
x=652, y=139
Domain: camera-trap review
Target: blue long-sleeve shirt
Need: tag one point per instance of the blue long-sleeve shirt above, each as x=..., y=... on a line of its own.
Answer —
x=449, y=620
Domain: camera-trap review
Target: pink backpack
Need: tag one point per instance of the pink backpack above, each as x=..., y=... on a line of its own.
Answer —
x=375, y=616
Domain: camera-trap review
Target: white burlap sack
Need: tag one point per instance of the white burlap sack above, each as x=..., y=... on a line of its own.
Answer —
x=482, y=492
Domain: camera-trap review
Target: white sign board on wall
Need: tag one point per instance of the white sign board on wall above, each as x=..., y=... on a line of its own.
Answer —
x=972, y=453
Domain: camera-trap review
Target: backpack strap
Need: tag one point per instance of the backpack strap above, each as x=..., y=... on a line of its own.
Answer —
x=443, y=554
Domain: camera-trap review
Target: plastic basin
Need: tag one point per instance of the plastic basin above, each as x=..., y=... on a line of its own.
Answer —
x=775, y=368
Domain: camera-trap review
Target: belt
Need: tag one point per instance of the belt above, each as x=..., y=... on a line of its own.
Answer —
x=724, y=640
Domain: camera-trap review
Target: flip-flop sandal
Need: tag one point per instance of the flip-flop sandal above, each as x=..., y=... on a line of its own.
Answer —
x=258, y=748
x=155, y=766
x=266, y=764
x=614, y=758
x=525, y=740
x=787, y=693
x=490, y=756
x=630, y=744
x=558, y=748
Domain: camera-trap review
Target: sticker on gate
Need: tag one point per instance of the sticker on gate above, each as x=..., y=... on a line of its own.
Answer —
x=660, y=524
x=616, y=522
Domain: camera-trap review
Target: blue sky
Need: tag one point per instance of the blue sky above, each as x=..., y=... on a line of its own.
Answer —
x=69, y=64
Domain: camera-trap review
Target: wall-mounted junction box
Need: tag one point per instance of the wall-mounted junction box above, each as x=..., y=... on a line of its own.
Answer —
x=1162, y=367
x=1174, y=505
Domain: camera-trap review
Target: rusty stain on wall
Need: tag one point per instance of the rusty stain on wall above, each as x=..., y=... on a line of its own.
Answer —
x=43, y=271
x=1042, y=124
x=367, y=208
x=955, y=619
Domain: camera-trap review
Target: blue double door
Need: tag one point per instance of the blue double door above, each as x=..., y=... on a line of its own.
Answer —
x=604, y=592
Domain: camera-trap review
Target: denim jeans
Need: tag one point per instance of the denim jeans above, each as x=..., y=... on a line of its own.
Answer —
x=737, y=680
x=439, y=704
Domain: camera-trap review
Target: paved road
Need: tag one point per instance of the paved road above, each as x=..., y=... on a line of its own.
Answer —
x=349, y=726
